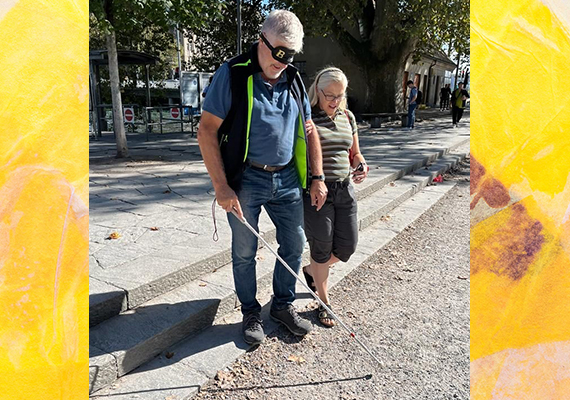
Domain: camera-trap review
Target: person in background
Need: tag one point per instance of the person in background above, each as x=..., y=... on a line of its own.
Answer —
x=207, y=87
x=445, y=93
x=459, y=98
x=412, y=104
x=332, y=231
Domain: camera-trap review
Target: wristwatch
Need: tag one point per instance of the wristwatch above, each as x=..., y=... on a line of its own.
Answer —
x=318, y=178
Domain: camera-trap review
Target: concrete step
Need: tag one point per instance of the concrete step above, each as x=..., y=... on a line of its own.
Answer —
x=180, y=370
x=187, y=261
x=134, y=337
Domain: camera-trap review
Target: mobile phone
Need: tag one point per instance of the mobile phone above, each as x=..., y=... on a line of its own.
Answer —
x=360, y=167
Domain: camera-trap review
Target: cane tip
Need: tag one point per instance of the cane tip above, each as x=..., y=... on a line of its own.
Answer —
x=367, y=377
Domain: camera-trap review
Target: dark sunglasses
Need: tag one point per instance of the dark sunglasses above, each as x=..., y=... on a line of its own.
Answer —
x=281, y=54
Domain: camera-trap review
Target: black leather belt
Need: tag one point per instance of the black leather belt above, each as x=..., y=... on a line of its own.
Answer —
x=338, y=184
x=268, y=168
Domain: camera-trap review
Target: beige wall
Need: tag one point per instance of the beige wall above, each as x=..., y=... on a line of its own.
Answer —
x=437, y=78
x=321, y=52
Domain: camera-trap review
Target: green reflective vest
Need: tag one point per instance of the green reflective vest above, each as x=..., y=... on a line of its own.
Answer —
x=233, y=135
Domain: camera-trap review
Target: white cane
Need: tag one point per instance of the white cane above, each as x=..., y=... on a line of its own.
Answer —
x=322, y=303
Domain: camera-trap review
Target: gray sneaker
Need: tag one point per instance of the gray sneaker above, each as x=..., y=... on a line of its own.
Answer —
x=252, y=328
x=292, y=321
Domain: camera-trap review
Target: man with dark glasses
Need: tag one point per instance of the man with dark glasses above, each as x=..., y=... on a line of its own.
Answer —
x=261, y=149
x=281, y=54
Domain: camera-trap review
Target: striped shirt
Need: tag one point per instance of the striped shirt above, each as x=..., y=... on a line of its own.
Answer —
x=336, y=139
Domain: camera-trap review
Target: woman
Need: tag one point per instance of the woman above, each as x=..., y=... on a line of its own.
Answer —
x=332, y=232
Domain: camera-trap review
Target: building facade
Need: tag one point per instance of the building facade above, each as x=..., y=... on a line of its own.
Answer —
x=429, y=74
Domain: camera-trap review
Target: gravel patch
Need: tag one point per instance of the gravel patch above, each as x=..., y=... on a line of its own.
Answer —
x=409, y=303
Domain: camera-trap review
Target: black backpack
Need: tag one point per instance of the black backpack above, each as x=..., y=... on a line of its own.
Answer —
x=419, y=97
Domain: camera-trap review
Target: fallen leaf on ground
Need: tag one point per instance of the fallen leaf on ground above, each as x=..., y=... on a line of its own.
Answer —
x=154, y=228
x=113, y=235
x=202, y=284
x=297, y=359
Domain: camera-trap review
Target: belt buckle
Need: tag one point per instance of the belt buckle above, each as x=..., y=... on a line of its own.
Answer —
x=265, y=167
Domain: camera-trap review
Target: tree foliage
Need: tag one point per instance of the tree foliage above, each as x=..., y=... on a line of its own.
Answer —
x=378, y=25
x=133, y=20
x=218, y=42
x=151, y=39
x=380, y=35
x=148, y=26
x=136, y=15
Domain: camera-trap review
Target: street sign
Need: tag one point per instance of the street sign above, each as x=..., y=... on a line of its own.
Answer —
x=193, y=83
x=190, y=89
x=129, y=114
x=175, y=112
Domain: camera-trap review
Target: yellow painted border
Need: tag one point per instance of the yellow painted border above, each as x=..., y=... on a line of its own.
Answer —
x=520, y=249
x=44, y=337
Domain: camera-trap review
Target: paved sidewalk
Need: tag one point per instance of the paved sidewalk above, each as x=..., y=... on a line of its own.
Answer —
x=159, y=202
x=182, y=367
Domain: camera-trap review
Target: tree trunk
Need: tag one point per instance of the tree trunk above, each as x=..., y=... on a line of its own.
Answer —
x=118, y=124
x=384, y=74
x=457, y=70
x=384, y=90
x=385, y=82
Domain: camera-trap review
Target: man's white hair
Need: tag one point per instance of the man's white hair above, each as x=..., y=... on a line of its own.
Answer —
x=285, y=26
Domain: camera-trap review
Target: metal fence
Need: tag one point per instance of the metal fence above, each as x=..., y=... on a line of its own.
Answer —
x=159, y=119
x=162, y=117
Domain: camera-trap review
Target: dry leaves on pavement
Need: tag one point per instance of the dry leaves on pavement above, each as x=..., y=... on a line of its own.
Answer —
x=296, y=359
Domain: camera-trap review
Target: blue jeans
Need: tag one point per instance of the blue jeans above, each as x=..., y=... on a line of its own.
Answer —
x=412, y=114
x=281, y=196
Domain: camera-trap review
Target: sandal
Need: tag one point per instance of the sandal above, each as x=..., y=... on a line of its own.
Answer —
x=310, y=281
x=324, y=316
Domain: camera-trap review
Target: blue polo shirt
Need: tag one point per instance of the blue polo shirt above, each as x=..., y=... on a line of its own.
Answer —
x=274, y=117
x=413, y=93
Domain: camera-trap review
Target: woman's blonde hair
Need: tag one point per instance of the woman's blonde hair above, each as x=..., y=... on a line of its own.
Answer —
x=324, y=78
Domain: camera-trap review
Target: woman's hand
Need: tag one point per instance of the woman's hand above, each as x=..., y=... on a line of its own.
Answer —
x=360, y=172
x=309, y=127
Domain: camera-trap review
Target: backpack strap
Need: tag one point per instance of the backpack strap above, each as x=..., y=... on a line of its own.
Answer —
x=350, y=151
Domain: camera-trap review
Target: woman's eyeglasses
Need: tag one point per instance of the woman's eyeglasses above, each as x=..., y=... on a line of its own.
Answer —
x=330, y=97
